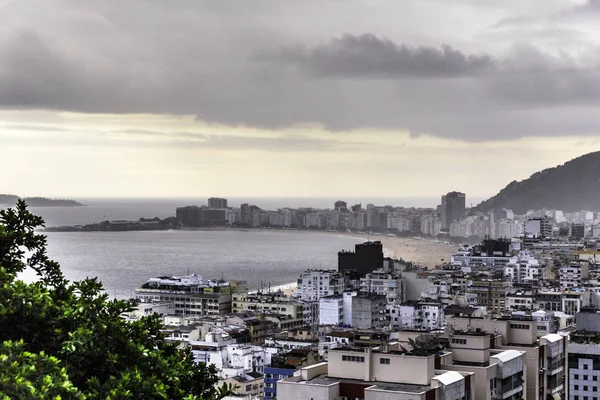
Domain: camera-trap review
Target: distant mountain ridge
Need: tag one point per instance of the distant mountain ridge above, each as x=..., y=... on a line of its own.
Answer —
x=573, y=186
x=11, y=199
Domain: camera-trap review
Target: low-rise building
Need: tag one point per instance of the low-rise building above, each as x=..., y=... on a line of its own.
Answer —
x=190, y=295
x=270, y=302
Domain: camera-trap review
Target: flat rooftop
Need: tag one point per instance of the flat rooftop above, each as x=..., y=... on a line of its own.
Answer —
x=326, y=380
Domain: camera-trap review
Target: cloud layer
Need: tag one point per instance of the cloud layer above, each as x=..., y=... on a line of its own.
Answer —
x=279, y=64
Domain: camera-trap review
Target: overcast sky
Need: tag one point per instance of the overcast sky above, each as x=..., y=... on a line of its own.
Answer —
x=293, y=98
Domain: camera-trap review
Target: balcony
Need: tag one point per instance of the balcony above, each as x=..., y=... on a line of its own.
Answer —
x=509, y=389
x=555, y=366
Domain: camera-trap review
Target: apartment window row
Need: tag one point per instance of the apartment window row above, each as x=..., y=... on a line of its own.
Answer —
x=353, y=358
x=519, y=326
x=585, y=377
x=459, y=341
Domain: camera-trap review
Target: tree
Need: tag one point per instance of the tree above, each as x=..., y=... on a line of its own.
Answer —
x=67, y=340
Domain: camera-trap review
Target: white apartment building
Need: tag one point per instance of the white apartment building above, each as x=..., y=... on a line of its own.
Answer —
x=398, y=223
x=190, y=295
x=572, y=276
x=314, y=220
x=230, y=358
x=331, y=310
x=314, y=284
x=584, y=371
x=421, y=315
x=523, y=268
x=390, y=285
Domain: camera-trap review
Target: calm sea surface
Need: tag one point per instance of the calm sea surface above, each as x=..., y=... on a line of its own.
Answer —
x=124, y=260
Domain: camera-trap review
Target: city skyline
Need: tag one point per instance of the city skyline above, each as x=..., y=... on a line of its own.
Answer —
x=293, y=99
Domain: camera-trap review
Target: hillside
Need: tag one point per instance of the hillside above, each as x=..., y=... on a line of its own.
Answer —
x=10, y=199
x=573, y=186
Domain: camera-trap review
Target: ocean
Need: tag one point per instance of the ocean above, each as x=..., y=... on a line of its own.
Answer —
x=123, y=261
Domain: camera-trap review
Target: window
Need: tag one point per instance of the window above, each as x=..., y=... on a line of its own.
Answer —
x=585, y=366
x=519, y=326
x=459, y=341
x=353, y=358
x=384, y=361
x=576, y=376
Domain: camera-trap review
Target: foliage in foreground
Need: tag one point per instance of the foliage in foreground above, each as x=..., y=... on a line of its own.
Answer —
x=63, y=340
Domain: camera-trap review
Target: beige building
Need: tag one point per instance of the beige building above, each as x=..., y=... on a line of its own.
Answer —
x=545, y=357
x=271, y=303
x=390, y=374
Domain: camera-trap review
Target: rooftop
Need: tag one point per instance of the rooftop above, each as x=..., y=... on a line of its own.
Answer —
x=326, y=380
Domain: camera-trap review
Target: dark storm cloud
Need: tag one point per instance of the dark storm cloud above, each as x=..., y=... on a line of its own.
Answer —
x=368, y=56
x=233, y=67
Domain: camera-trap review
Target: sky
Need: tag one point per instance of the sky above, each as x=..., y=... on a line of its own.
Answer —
x=382, y=98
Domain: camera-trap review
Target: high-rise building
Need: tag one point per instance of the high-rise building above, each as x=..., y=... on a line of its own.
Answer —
x=357, y=208
x=538, y=227
x=453, y=208
x=245, y=213
x=578, y=231
x=366, y=258
x=340, y=205
x=217, y=202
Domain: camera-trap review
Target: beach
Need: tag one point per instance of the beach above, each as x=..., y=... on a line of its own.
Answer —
x=424, y=251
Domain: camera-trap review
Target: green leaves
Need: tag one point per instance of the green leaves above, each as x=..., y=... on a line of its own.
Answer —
x=67, y=340
x=26, y=375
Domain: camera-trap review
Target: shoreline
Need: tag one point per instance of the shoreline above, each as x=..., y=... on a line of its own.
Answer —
x=424, y=251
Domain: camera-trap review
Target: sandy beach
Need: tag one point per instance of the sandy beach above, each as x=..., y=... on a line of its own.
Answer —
x=419, y=251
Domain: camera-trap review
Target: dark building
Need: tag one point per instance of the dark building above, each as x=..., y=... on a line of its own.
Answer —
x=496, y=247
x=357, y=208
x=214, y=217
x=189, y=215
x=383, y=221
x=366, y=258
x=217, y=202
x=245, y=213
x=578, y=231
x=340, y=205
x=453, y=208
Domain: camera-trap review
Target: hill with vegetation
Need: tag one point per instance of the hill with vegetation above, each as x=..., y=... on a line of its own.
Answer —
x=573, y=186
x=11, y=199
